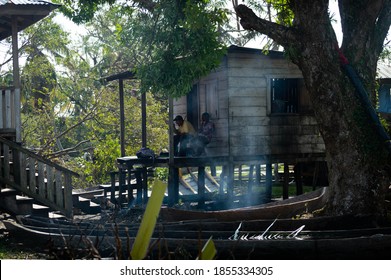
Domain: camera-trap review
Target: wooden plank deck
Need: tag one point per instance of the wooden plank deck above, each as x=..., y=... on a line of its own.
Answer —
x=202, y=184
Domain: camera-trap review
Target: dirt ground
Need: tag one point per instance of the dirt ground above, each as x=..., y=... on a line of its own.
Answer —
x=11, y=248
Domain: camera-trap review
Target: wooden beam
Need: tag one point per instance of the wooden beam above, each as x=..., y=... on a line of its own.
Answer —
x=269, y=181
x=144, y=173
x=285, y=191
x=298, y=178
x=173, y=186
x=122, y=116
x=122, y=76
x=201, y=187
x=27, y=10
x=17, y=114
x=15, y=53
x=230, y=182
x=170, y=130
x=144, y=119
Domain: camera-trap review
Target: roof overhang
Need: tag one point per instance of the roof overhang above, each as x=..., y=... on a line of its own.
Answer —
x=120, y=76
x=25, y=14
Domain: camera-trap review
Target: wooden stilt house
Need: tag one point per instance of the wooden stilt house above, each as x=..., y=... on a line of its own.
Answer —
x=261, y=110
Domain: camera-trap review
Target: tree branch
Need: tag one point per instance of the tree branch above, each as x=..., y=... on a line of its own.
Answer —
x=365, y=26
x=250, y=21
x=146, y=4
x=85, y=118
x=382, y=27
x=67, y=150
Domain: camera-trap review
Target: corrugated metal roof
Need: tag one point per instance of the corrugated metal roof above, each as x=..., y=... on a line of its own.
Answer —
x=26, y=12
x=25, y=2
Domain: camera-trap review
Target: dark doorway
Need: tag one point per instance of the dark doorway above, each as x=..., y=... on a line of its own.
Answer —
x=192, y=107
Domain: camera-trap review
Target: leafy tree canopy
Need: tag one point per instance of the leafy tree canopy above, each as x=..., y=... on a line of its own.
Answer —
x=177, y=41
x=68, y=111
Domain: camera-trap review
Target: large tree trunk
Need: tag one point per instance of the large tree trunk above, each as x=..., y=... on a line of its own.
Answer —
x=357, y=155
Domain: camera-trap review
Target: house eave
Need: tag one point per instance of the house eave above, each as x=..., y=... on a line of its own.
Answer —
x=25, y=15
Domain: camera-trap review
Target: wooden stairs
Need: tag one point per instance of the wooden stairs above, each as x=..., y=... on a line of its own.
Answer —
x=30, y=184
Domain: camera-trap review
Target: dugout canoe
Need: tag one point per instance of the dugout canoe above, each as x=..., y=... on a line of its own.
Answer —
x=201, y=228
x=305, y=203
x=343, y=244
x=194, y=229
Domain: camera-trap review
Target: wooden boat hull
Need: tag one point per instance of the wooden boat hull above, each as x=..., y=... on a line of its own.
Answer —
x=184, y=232
x=288, y=208
x=370, y=245
x=345, y=238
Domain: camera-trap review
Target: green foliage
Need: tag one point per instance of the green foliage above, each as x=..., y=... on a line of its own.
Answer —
x=68, y=109
x=161, y=173
x=6, y=79
x=37, y=85
x=173, y=42
x=104, y=157
x=284, y=13
x=103, y=54
x=42, y=43
x=45, y=35
x=182, y=44
x=83, y=10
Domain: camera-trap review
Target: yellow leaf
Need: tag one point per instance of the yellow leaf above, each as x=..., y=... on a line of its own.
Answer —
x=209, y=251
x=148, y=222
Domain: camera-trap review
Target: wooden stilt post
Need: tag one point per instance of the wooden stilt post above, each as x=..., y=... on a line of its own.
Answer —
x=145, y=185
x=144, y=119
x=121, y=187
x=139, y=185
x=201, y=187
x=285, y=191
x=112, y=189
x=122, y=116
x=298, y=178
x=269, y=181
x=173, y=172
x=230, y=182
x=258, y=174
x=173, y=186
x=250, y=185
x=315, y=176
x=16, y=104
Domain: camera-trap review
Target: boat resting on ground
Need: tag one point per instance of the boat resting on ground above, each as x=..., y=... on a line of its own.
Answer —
x=305, y=203
x=325, y=238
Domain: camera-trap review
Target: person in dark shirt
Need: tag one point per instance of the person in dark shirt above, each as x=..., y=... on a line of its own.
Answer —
x=206, y=130
x=204, y=135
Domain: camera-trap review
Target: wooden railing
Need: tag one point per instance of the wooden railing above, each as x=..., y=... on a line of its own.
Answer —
x=38, y=178
x=10, y=122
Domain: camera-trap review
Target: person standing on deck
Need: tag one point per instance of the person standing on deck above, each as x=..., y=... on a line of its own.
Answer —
x=184, y=132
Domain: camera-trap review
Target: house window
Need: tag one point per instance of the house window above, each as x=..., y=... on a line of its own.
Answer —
x=289, y=96
x=284, y=96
